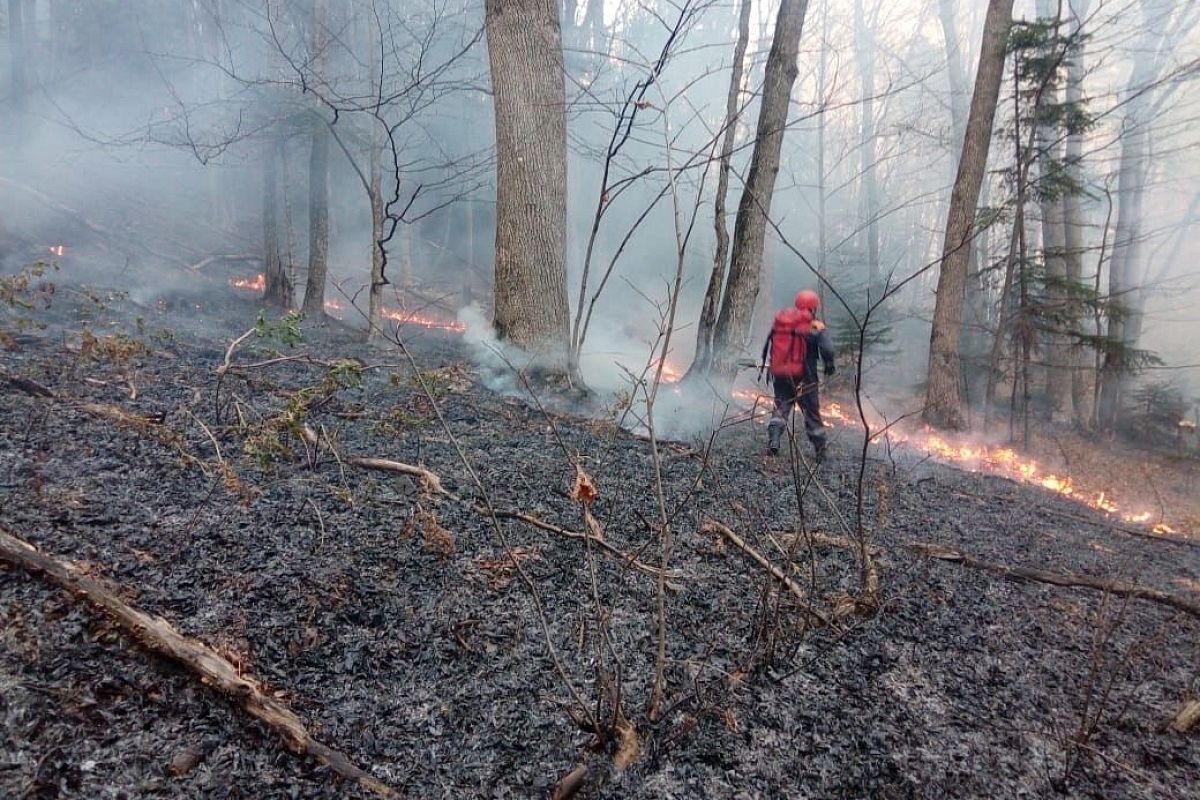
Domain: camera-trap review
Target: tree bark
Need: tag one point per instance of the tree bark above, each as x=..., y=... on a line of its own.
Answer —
x=16, y=45
x=318, y=185
x=716, y=279
x=1072, y=215
x=749, y=233
x=378, y=204
x=278, y=290
x=1058, y=348
x=865, y=52
x=944, y=404
x=525, y=55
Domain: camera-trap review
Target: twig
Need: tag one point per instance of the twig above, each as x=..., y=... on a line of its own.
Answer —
x=628, y=559
x=432, y=482
x=761, y=560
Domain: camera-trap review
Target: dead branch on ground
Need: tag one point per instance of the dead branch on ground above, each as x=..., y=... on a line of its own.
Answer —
x=159, y=636
x=713, y=526
x=1066, y=579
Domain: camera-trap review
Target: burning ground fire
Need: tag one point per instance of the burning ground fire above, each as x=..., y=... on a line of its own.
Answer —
x=259, y=283
x=1002, y=461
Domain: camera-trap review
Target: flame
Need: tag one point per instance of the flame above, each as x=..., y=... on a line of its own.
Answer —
x=258, y=283
x=407, y=318
x=59, y=250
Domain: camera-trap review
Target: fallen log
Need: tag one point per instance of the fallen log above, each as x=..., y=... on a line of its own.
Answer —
x=159, y=636
x=1187, y=717
x=774, y=571
x=1066, y=579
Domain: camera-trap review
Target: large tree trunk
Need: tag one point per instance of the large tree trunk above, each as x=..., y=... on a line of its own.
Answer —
x=749, y=233
x=525, y=54
x=1072, y=216
x=944, y=405
x=1058, y=346
x=278, y=290
x=318, y=222
x=716, y=280
x=318, y=184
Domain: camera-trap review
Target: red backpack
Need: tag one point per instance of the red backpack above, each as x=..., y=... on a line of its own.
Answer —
x=789, y=345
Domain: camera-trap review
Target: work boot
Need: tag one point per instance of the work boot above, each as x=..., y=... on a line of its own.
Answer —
x=774, y=434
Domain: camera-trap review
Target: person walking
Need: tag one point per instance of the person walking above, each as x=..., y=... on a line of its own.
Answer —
x=796, y=342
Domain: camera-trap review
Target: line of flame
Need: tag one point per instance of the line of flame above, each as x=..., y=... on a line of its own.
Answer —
x=259, y=283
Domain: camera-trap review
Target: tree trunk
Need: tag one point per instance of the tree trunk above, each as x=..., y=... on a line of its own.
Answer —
x=318, y=222
x=716, y=280
x=749, y=232
x=278, y=289
x=1072, y=215
x=16, y=47
x=378, y=204
x=1058, y=348
x=944, y=404
x=318, y=183
x=865, y=52
x=525, y=55
x=1126, y=256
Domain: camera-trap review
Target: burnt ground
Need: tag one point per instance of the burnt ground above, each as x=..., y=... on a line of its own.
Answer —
x=395, y=627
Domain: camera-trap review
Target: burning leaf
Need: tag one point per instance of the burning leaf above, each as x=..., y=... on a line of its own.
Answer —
x=584, y=490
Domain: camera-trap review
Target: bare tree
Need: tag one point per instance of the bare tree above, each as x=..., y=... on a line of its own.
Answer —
x=278, y=290
x=525, y=53
x=944, y=403
x=1072, y=213
x=749, y=232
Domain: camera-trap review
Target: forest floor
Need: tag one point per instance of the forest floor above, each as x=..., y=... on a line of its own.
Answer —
x=391, y=617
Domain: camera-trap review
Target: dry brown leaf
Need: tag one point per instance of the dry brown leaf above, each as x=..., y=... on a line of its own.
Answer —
x=584, y=490
x=731, y=720
x=630, y=746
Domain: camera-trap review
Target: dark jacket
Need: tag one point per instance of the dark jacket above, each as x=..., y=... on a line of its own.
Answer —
x=819, y=345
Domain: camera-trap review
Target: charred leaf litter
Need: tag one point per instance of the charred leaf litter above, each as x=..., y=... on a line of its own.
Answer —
x=394, y=625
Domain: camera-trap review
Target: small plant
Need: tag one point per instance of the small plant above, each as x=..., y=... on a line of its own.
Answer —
x=286, y=330
x=117, y=348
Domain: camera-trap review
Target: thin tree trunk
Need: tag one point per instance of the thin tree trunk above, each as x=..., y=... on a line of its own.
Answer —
x=865, y=51
x=16, y=45
x=716, y=280
x=944, y=404
x=378, y=204
x=525, y=54
x=749, y=233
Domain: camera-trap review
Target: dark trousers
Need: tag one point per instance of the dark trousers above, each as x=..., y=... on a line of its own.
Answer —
x=790, y=392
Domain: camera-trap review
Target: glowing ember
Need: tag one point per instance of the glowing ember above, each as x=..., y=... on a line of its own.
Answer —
x=257, y=284
x=59, y=250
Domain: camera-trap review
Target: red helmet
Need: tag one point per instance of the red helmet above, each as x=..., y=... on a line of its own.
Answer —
x=808, y=300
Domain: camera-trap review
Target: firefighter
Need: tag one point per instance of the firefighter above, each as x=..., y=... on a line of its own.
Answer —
x=796, y=342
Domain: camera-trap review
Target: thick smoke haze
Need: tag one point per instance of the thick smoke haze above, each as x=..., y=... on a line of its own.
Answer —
x=135, y=137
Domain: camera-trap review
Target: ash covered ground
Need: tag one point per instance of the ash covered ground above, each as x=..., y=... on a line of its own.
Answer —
x=393, y=622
